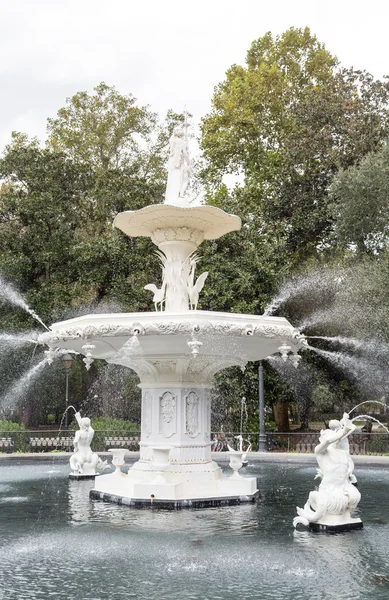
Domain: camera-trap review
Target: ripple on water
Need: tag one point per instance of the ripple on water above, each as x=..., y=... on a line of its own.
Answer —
x=13, y=499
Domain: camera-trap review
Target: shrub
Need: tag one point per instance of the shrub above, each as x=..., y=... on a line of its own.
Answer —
x=17, y=432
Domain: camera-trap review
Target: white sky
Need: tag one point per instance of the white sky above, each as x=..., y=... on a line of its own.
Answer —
x=167, y=53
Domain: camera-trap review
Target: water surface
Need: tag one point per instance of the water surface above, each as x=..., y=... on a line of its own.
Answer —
x=56, y=543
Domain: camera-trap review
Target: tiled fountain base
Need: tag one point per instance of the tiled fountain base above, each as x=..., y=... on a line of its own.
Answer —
x=321, y=527
x=173, y=504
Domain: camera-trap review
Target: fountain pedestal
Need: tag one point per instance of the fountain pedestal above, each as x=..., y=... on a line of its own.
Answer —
x=176, y=351
x=177, y=417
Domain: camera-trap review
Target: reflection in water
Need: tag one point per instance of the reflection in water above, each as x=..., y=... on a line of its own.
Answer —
x=238, y=520
x=251, y=551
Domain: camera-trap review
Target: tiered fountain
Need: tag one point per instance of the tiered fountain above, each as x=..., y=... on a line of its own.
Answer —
x=176, y=351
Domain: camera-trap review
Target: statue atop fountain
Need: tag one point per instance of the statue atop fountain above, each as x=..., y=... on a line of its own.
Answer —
x=179, y=169
x=84, y=462
x=329, y=507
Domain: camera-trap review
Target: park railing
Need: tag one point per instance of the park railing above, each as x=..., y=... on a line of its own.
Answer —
x=304, y=442
x=360, y=443
x=46, y=441
x=103, y=440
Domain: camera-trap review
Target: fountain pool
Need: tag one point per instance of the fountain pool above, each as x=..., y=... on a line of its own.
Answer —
x=58, y=543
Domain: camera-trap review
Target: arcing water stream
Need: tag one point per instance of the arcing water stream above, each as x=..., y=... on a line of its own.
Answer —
x=368, y=402
x=369, y=418
x=13, y=393
x=366, y=346
x=8, y=292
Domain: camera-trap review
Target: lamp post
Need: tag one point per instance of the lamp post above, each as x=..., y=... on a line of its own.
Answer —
x=67, y=361
x=262, y=442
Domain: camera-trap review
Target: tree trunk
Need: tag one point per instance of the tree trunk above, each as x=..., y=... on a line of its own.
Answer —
x=281, y=416
x=304, y=419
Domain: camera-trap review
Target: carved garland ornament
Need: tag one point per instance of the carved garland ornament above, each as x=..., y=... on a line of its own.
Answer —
x=175, y=328
x=184, y=234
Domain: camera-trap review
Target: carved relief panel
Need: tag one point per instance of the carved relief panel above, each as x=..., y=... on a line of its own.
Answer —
x=192, y=414
x=147, y=413
x=167, y=414
x=207, y=416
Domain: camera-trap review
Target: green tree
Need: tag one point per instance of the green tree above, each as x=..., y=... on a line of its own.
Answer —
x=56, y=209
x=286, y=123
x=103, y=129
x=360, y=203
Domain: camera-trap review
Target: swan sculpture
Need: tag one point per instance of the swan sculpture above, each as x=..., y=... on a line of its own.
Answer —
x=193, y=288
x=159, y=294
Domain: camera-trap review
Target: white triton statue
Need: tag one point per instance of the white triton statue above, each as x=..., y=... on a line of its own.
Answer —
x=84, y=462
x=179, y=169
x=329, y=507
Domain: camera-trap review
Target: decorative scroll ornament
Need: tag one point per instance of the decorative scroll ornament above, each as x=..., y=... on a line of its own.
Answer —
x=295, y=359
x=194, y=346
x=284, y=350
x=87, y=350
x=50, y=355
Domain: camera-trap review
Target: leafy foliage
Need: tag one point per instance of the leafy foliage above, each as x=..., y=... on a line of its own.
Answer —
x=105, y=424
x=286, y=123
x=360, y=203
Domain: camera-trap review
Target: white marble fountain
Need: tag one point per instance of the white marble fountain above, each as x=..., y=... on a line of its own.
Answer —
x=175, y=352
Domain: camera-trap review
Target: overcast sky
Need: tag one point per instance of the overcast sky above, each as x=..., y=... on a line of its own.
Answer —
x=167, y=53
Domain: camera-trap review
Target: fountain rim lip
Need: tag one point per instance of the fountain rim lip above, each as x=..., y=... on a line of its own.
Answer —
x=143, y=222
x=167, y=317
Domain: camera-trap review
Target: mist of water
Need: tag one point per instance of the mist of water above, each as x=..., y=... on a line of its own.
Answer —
x=15, y=392
x=326, y=279
x=368, y=375
x=302, y=379
x=11, y=340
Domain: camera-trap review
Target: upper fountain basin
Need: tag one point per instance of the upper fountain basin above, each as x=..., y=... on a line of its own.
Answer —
x=161, y=221
x=148, y=342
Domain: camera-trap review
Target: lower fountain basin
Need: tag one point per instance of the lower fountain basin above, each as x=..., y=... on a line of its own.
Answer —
x=56, y=542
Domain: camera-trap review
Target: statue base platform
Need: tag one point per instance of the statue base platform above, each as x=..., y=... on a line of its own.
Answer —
x=172, y=504
x=82, y=476
x=336, y=528
x=174, y=491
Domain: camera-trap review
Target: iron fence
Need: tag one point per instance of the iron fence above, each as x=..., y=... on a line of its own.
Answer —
x=46, y=441
x=103, y=440
x=360, y=443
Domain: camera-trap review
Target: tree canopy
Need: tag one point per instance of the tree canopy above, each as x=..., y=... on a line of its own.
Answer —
x=286, y=123
x=305, y=139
